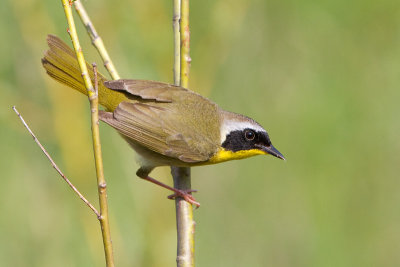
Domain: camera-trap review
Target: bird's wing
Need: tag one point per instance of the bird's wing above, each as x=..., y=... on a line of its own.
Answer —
x=159, y=129
x=148, y=90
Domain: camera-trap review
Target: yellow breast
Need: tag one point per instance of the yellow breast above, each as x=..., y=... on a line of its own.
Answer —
x=225, y=155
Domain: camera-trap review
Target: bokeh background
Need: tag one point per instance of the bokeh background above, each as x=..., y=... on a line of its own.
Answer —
x=323, y=78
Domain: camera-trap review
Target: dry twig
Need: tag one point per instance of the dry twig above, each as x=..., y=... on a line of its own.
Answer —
x=55, y=165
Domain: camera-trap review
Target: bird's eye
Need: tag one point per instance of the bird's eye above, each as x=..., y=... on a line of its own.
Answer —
x=249, y=135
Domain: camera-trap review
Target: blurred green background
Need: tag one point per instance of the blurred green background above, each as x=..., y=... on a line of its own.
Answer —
x=322, y=77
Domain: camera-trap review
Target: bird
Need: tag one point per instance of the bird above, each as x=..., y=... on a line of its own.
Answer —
x=165, y=124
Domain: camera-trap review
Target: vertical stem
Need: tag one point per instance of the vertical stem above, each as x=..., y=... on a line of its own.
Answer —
x=101, y=181
x=77, y=47
x=96, y=40
x=184, y=219
x=93, y=98
x=184, y=210
x=177, y=42
x=185, y=44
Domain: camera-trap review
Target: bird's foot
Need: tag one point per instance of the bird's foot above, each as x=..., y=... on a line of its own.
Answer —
x=186, y=195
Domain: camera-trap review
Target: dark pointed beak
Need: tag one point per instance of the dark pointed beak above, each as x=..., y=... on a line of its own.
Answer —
x=272, y=151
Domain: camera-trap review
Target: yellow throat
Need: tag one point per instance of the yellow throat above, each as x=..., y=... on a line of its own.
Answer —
x=225, y=155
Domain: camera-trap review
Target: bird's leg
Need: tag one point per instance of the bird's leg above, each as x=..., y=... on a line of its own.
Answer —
x=143, y=173
x=185, y=194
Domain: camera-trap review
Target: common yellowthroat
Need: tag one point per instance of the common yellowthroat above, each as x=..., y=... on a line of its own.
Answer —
x=165, y=124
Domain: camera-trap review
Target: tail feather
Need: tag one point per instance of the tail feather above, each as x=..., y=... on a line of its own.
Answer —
x=61, y=64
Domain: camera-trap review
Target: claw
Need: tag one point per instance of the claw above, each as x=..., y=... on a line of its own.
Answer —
x=185, y=194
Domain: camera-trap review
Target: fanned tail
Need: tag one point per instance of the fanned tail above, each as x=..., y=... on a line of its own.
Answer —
x=61, y=64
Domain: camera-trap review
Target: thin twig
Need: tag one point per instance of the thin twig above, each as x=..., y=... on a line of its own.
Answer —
x=184, y=211
x=94, y=102
x=96, y=40
x=55, y=165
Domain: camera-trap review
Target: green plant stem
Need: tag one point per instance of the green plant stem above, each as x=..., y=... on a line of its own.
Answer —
x=184, y=219
x=184, y=210
x=102, y=185
x=185, y=44
x=177, y=42
x=93, y=98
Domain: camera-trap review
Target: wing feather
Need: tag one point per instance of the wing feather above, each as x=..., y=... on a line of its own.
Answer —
x=149, y=90
x=155, y=128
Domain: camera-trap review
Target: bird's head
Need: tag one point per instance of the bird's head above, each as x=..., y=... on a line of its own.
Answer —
x=242, y=137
